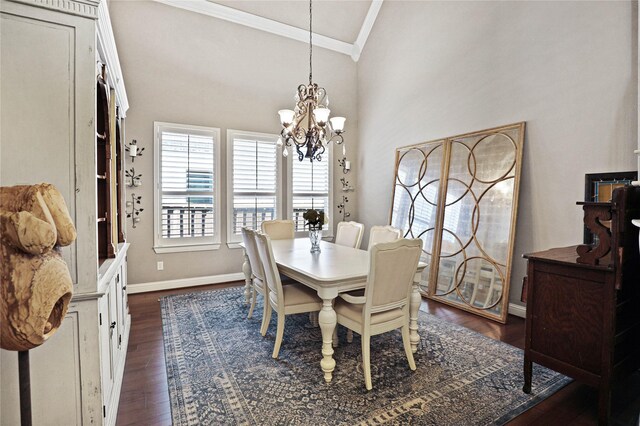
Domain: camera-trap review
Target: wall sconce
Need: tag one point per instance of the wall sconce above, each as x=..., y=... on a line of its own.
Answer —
x=132, y=210
x=345, y=164
x=133, y=179
x=342, y=208
x=345, y=185
x=133, y=150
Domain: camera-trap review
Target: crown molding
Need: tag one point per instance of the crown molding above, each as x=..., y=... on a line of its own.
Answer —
x=229, y=14
x=84, y=8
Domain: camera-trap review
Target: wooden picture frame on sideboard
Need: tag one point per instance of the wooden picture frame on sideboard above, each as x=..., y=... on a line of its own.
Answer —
x=598, y=187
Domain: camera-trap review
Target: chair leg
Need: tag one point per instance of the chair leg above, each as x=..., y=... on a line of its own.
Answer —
x=335, y=341
x=279, y=334
x=313, y=319
x=349, y=335
x=253, y=303
x=406, y=341
x=266, y=316
x=366, y=360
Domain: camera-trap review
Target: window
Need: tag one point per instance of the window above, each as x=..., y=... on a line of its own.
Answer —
x=186, y=216
x=310, y=188
x=253, y=194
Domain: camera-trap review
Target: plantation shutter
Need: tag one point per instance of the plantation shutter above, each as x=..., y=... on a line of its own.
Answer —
x=255, y=185
x=310, y=187
x=187, y=180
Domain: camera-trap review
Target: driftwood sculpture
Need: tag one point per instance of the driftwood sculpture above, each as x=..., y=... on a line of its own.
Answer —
x=36, y=286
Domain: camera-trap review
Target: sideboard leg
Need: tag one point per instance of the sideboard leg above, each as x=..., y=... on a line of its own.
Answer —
x=528, y=365
x=604, y=403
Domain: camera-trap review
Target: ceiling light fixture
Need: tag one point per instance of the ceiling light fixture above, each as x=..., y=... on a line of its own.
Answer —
x=308, y=127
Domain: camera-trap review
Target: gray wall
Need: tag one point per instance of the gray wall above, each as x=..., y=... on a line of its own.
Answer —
x=187, y=68
x=569, y=69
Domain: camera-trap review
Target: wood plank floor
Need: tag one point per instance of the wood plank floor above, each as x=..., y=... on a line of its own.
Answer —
x=144, y=399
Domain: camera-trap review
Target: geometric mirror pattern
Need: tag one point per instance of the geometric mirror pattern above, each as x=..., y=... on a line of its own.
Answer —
x=460, y=196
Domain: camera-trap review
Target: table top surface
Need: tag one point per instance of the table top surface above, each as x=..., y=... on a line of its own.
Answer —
x=333, y=263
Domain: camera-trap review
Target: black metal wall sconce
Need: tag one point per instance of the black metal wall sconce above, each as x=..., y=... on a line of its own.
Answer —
x=133, y=149
x=132, y=209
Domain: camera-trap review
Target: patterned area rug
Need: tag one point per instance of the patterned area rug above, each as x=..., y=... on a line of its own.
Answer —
x=220, y=372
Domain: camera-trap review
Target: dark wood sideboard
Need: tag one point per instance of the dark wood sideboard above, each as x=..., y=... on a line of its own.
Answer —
x=583, y=302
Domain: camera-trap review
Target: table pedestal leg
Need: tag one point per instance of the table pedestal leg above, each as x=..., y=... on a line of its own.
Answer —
x=328, y=320
x=414, y=307
x=246, y=269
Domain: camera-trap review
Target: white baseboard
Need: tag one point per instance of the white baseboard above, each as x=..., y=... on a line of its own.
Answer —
x=518, y=310
x=186, y=282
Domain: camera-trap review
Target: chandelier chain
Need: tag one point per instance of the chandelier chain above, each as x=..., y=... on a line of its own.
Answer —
x=310, y=43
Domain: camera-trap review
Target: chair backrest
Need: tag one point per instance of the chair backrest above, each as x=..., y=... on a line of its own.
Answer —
x=252, y=252
x=279, y=229
x=349, y=234
x=383, y=234
x=392, y=267
x=271, y=274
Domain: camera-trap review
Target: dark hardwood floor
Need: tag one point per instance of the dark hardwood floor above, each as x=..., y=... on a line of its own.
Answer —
x=144, y=399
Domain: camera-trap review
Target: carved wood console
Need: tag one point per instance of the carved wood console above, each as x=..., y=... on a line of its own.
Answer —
x=582, y=302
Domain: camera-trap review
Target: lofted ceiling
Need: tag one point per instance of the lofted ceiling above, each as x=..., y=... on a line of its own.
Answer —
x=340, y=20
x=339, y=25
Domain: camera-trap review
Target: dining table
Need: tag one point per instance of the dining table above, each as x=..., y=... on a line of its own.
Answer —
x=335, y=269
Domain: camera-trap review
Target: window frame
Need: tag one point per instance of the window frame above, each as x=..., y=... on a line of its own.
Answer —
x=165, y=245
x=328, y=232
x=232, y=240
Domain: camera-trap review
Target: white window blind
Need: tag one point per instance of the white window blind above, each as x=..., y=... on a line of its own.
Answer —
x=310, y=187
x=254, y=190
x=187, y=185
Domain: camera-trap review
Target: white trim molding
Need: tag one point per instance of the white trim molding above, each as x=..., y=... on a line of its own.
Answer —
x=108, y=52
x=84, y=8
x=517, y=310
x=229, y=14
x=183, y=283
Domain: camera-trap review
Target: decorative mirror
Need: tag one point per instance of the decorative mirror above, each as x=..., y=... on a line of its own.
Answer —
x=460, y=196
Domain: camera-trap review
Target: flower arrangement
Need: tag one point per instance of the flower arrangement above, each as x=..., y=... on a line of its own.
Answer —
x=315, y=219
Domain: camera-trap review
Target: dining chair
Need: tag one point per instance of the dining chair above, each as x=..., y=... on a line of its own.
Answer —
x=279, y=229
x=383, y=234
x=294, y=298
x=258, y=282
x=349, y=234
x=385, y=303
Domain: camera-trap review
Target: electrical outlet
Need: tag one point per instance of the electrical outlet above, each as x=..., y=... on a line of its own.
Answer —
x=160, y=265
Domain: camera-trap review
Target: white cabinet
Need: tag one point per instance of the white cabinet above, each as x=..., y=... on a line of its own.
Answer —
x=49, y=50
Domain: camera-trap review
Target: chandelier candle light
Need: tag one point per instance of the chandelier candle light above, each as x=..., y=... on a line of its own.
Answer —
x=308, y=127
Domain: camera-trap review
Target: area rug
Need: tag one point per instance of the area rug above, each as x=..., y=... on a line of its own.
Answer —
x=220, y=372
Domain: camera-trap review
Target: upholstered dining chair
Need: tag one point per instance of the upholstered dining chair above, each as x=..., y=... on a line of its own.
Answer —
x=383, y=234
x=258, y=282
x=349, y=234
x=294, y=298
x=279, y=229
x=385, y=303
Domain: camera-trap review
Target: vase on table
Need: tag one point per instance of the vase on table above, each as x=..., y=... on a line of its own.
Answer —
x=314, y=236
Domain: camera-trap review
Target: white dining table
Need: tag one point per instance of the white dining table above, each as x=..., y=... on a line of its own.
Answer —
x=336, y=269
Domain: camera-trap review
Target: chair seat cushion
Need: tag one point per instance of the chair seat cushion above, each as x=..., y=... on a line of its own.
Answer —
x=299, y=294
x=354, y=313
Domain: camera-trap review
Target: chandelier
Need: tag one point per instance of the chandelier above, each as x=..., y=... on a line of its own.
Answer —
x=308, y=126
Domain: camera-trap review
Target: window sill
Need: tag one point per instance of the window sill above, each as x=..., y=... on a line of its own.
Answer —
x=180, y=249
x=234, y=245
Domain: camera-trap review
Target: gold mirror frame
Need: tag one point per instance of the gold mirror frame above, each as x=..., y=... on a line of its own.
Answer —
x=460, y=196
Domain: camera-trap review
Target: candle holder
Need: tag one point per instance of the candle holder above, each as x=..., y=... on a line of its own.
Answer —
x=345, y=164
x=133, y=179
x=133, y=149
x=132, y=209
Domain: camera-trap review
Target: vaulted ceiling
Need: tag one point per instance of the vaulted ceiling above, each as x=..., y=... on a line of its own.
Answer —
x=339, y=25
